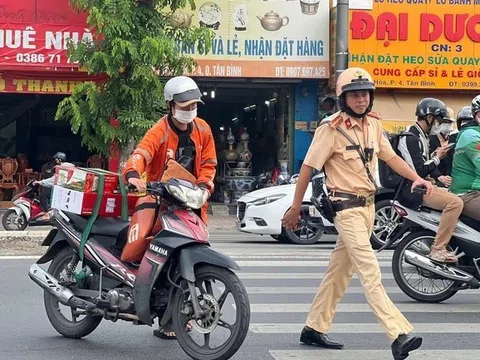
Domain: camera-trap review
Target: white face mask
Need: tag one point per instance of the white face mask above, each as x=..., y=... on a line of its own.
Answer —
x=185, y=116
x=435, y=129
x=446, y=129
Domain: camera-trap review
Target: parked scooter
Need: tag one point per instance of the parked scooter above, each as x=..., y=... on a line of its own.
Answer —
x=422, y=278
x=27, y=210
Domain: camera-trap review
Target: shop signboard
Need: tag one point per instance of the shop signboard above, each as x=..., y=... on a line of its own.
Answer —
x=431, y=44
x=263, y=39
x=36, y=82
x=267, y=39
x=34, y=34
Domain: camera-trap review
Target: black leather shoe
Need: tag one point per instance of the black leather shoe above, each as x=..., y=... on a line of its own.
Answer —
x=312, y=337
x=404, y=344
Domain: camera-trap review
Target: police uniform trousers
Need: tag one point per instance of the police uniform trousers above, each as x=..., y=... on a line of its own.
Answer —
x=353, y=253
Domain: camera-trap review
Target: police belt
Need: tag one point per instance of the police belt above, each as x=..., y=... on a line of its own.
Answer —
x=352, y=202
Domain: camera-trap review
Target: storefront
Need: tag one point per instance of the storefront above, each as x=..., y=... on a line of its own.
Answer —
x=261, y=84
x=35, y=75
x=261, y=80
x=414, y=52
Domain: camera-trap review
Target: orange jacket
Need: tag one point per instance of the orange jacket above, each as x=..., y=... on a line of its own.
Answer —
x=160, y=143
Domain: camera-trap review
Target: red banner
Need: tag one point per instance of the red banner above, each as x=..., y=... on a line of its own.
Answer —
x=39, y=45
x=43, y=82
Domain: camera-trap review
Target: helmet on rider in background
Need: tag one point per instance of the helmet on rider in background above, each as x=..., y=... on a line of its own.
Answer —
x=475, y=105
x=465, y=117
x=60, y=156
x=431, y=106
x=354, y=79
x=182, y=90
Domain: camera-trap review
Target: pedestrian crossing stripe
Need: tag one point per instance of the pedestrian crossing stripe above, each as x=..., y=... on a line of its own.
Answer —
x=367, y=328
x=297, y=276
x=294, y=263
x=363, y=307
x=264, y=290
x=318, y=354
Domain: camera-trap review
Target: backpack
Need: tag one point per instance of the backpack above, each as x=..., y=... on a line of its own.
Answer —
x=388, y=178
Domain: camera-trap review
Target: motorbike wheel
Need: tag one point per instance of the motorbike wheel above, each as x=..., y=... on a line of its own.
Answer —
x=420, y=242
x=8, y=218
x=214, y=310
x=69, y=328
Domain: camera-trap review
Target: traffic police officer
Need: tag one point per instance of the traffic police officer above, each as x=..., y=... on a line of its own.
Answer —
x=347, y=145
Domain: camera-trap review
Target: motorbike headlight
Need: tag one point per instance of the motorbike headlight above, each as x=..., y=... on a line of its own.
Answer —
x=190, y=195
x=268, y=199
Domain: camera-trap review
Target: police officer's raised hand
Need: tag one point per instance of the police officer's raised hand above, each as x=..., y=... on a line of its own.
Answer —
x=139, y=184
x=291, y=218
x=423, y=183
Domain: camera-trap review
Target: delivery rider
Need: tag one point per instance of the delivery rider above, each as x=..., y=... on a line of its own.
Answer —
x=347, y=145
x=182, y=136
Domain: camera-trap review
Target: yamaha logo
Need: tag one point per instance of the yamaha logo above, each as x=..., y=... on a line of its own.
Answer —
x=158, y=250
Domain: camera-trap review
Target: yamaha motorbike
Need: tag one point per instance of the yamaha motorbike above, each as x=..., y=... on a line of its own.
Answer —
x=181, y=280
x=27, y=210
x=422, y=278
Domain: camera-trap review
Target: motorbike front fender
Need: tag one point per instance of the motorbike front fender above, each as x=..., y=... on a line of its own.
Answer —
x=202, y=254
x=20, y=208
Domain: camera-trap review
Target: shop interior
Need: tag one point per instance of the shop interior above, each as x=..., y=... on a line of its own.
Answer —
x=249, y=122
x=30, y=136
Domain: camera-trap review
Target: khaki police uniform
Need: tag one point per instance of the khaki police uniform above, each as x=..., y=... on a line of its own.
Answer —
x=353, y=252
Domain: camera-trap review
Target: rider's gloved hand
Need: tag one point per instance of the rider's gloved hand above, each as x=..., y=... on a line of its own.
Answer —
x=139, y=184
x=206, y=193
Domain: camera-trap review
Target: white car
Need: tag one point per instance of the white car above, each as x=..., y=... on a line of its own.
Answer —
x=260, y=212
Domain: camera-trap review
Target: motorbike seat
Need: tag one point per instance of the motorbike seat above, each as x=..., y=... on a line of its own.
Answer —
x=470, y=222
x=103, y=226
x=463, y=218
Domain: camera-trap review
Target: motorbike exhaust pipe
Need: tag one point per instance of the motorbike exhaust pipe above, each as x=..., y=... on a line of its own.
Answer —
x=448, y=272
x=63, y=294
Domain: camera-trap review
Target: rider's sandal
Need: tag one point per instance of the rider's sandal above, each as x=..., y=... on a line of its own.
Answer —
x=166, y=332
x=443, y=256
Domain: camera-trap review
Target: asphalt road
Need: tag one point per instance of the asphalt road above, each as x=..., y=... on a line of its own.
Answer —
x=281, y=281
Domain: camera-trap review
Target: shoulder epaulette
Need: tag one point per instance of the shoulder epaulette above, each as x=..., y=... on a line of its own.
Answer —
x=335, y=123
x=374, y=115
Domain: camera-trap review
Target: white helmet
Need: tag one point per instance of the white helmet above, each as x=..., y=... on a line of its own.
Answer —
x=183, y=90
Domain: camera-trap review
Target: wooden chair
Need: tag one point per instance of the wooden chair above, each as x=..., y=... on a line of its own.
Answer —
x=8, y=170
x=97, y=162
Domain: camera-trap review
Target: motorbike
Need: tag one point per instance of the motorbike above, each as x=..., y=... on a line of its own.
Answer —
x=413, y=270
x=27, y=210
x=175, y=281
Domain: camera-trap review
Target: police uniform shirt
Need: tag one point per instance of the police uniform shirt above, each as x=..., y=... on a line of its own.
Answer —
x=344, y=168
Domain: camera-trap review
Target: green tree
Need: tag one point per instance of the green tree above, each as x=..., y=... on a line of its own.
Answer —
x=130, y=39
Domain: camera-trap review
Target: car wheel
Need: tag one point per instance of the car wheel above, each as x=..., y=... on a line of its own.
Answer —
x=309, y=230
x=386, y=222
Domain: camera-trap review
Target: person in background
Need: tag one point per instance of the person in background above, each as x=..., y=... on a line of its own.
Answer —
x=46, y=185
x=431, y=114
x=442, y=140
x=466, y=163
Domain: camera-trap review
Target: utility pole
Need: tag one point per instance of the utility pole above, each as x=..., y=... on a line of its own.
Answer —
x=341, y=45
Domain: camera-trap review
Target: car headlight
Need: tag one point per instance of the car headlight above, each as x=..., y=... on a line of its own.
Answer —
x=268, y=199
x=192, y=196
